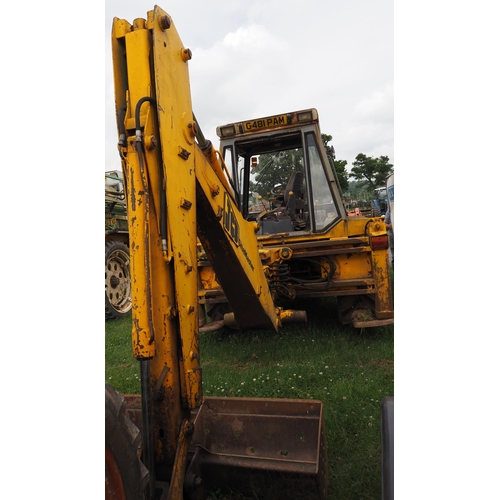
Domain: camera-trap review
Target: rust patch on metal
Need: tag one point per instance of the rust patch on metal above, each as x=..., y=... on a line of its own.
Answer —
x=275, y=448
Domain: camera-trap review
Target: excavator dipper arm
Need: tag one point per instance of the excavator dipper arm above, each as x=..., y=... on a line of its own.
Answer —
x=175, y=192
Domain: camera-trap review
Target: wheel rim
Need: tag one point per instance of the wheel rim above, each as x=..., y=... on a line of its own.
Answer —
x=114, y=483
x=118, y=281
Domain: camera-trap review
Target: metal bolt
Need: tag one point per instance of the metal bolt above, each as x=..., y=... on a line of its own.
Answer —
x=215, y=189
x=186, y=54
x=186, y=204
x=285, y=253
x=165, y=22
x=151, y=142
x=194, y=127
x=189, y=429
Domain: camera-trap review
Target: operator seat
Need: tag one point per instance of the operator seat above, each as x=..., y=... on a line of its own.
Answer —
x=293, y=202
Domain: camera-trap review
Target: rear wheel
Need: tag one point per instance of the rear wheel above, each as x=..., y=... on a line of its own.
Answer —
x=117, y=282
x=352, y=308
x=216, y=311
x=126, y=475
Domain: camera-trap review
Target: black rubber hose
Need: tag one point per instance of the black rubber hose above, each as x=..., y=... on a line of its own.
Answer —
x=138, y=115
x=121, y=126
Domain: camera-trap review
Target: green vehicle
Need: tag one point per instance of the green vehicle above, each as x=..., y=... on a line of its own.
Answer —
x=117, y=283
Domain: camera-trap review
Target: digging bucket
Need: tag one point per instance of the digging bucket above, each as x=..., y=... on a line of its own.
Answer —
x=272, y=448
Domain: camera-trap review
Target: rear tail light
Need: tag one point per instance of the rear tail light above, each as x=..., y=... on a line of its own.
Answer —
x=380, y=242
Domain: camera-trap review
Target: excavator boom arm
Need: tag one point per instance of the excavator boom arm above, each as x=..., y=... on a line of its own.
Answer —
x=175, y=192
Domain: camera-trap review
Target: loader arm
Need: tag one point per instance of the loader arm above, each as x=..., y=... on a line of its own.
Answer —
x=175, y=192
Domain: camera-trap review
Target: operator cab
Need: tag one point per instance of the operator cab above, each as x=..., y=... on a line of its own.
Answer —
x=281, y=174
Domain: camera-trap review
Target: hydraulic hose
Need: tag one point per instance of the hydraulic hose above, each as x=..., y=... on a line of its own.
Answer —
x=144, y=364
x=138, y=133
x=326, y=281
x=122, y=141
x=147, y=431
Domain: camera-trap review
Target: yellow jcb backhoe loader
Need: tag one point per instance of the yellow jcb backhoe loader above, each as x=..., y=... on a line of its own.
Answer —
x=179, y=192
x=284, y=183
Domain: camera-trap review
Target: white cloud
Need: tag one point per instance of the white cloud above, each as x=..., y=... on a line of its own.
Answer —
x=377, y=106
x=258, y=57
x=253, y=39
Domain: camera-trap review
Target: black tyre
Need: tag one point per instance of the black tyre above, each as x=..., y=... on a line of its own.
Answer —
x=387, y=438
x=352, y=308
x=375, y=210
x=126, y=475
x=118, y=288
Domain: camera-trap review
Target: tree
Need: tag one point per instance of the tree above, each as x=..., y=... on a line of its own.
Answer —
x=373, y=170
x=274, y=170
x=337, y=165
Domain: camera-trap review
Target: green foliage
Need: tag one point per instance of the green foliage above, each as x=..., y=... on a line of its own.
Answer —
x=362, y=193
x=274, y=170
x=372, y=170
x=342, y=174
x=337, y=165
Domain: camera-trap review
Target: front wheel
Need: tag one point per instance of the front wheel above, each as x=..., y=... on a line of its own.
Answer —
x=126, y=476
x=117, y=282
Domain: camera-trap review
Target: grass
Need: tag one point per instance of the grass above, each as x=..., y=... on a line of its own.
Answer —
x=349, y=370
x=121, y=369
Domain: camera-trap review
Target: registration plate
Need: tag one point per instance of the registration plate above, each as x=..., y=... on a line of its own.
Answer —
x=264, y=123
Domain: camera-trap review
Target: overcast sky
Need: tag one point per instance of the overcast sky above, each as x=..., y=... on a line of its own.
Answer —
x=254, y=58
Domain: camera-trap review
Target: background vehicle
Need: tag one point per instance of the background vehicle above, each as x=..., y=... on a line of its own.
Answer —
x=177, y=192
x=390, y=196
x=380, y=203
x=117, y=265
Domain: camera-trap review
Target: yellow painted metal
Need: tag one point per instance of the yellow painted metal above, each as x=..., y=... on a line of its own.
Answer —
x=344, y=247
x=158, y=314
x=176, y=486
x=165, y=174
x=356, y=264
x=238, y=253
x=217, y=165
x=384, y=308
x=174, y=114
x=136, y=188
